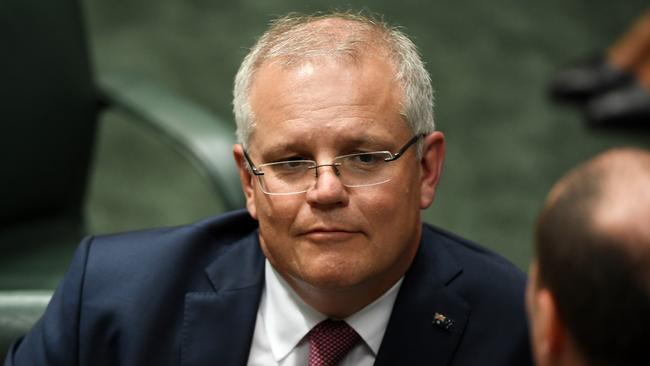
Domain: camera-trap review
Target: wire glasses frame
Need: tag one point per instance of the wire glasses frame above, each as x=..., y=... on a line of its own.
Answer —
x=355, y=170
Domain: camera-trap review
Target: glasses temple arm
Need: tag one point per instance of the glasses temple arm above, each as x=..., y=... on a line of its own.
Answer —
x=401, y=151
x=250, y=163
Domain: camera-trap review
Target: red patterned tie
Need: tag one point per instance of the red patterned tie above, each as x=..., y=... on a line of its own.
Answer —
x=330, y=341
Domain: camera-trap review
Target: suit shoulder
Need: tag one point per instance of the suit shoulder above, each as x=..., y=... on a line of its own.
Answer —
x=169, y=249
x=224, y=229
x=481, y=258
x=484, y=274
x=492, y=287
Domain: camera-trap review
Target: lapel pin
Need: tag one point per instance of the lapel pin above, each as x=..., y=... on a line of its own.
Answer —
x=442, y=321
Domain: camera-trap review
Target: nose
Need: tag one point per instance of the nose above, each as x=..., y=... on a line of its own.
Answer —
x=328, y=189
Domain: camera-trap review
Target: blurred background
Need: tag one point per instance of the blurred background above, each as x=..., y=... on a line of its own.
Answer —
x=490, y=63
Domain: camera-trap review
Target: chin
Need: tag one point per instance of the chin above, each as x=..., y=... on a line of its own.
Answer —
x=335, y=275
x=332, y=283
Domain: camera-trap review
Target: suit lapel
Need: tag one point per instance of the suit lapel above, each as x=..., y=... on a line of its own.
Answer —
x=411, y=336
x=218, y=326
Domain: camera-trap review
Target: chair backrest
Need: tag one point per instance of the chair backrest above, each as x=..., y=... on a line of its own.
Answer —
x=19, y=310
x=48, y=110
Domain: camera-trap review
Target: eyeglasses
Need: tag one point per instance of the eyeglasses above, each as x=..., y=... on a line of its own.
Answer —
x=354, y=170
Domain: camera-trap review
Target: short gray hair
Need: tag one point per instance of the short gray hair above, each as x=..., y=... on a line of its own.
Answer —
x=295, y=38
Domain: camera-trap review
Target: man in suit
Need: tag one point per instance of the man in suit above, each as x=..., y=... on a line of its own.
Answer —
x=330, y=264
x=589, y=290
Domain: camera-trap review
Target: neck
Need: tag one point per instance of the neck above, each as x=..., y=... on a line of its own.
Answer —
x=567, y=355
x=569, y=360
x=339, y=303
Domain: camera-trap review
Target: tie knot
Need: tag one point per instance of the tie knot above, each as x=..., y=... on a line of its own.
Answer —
x=329, y=341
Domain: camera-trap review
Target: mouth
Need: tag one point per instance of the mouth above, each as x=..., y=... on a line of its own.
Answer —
x=329, y=234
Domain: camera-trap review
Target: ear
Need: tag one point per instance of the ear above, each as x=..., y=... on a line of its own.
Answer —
x=433, y=156
x=548, y=333
x=246, y=179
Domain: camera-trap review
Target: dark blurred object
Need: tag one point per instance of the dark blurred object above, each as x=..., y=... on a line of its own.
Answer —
x=585, y=80
x=49, y=112
x=613, y=89
x=50, y=103
x=624, y=107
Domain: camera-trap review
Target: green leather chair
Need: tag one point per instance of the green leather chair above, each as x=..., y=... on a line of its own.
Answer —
x=50, y=101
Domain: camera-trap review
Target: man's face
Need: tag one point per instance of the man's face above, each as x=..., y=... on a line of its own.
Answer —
x=332, y=236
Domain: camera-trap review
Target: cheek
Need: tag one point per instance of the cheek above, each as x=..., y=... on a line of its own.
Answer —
x=275, y=216
x=276, y=208
x=404, y=197
x=389, y=211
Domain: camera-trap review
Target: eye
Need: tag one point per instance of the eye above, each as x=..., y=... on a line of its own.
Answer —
x=289, y=159
x=364, y=161
x=292, y=165
x=369, y=158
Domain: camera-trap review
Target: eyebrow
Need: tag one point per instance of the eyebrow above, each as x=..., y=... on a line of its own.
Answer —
x=368, y=140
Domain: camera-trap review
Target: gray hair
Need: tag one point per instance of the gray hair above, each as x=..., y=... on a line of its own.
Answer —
x=295, y=38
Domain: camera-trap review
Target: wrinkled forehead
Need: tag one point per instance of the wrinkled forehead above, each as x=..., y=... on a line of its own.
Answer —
x=326, y=82
x=369, y=72
x=327, y=96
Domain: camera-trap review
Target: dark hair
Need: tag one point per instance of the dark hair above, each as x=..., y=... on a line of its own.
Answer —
x=599, y=281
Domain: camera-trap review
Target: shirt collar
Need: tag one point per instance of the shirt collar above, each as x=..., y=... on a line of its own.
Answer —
x=287, y=318
x=370, y=322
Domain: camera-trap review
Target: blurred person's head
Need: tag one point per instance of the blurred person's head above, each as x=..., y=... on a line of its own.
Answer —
x=589, y=288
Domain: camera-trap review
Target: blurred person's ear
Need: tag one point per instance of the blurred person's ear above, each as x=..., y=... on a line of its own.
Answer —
x=548, y=333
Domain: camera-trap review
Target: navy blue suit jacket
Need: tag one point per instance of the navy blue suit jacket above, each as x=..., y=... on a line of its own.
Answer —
x=189, y=296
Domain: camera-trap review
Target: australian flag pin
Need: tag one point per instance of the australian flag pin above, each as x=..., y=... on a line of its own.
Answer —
x=442, y=321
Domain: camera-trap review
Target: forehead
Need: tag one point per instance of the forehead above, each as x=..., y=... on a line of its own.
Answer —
x=327, y=98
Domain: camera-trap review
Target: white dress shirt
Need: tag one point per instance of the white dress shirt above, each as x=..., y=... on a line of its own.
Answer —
x=284, y=319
